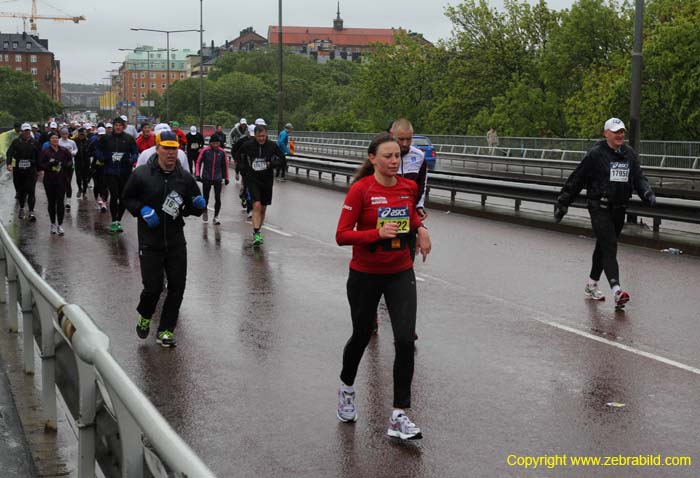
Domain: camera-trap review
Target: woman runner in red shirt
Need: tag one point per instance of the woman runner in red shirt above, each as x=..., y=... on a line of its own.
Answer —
x=378, y=214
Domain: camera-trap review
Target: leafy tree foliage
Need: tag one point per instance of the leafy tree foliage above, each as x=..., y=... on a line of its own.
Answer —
x=21, y=99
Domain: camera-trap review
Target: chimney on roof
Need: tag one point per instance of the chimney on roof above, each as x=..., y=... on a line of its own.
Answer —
x=338, y=22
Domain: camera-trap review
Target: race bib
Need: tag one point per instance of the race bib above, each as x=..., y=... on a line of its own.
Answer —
x=619, y=172
x=259, y=164
x=194, y=145
x=24, y=164
x=398, y=215
x=117, y=157
x=172, y=204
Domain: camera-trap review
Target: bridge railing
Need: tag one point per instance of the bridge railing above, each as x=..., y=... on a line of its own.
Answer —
x=118, y=428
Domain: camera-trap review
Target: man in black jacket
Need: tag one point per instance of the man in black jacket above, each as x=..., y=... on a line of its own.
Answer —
x=609, y=172
x=258, y=157
x=160, y=193
x=22, y=157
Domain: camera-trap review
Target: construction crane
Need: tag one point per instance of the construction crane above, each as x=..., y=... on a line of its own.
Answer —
x=32, y=17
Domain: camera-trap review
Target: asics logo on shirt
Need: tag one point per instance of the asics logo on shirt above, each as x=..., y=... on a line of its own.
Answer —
x=393, y=212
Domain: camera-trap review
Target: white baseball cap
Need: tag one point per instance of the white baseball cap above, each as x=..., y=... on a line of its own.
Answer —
x=161, y=127
x=108, y=125
x=25, y=127
x=53, y=125
x=124, y=118
x=87, y=126
x=260, y=121
x=614, y=125
x=193, y=129
x=243, y=120
x=101, y=130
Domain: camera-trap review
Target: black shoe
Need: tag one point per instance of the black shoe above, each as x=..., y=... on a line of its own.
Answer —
x=67, y=207
x=142, y=327
x=166, y=339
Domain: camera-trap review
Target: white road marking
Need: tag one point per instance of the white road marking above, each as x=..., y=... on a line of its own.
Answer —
x=420, y=279
x=620, y=346
x=277, y=231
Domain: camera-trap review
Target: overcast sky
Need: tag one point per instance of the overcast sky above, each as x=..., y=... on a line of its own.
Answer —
x=85, y=50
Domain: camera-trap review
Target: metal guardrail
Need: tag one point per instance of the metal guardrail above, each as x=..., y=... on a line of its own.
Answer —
x=667, y=208
x=112, y=415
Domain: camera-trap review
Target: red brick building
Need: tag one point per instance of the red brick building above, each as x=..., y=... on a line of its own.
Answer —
x=30, y=54
x=247, y=40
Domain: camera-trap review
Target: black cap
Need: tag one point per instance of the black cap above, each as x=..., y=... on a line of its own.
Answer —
x=118, y=120
x=18, y=125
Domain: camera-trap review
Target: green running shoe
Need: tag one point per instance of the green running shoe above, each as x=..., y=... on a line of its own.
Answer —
x=119, y=227
x=142, y=327
x=257, y=239
x=113, y=229
x=166, y=339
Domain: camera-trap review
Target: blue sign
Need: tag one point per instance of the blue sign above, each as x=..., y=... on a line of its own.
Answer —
x=121, y=103
x=132, y=103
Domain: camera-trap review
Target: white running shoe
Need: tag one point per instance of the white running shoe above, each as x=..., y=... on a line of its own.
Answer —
x=346, y=406
x=593, y=293
x=216, y=221
x=205, y=216
x=402, y=427
x=60, y=231
x=54, y=229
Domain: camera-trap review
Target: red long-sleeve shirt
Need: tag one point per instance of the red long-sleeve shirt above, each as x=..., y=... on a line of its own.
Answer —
x=367, y=205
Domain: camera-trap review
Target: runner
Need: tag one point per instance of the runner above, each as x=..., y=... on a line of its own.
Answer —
x=55, y=161
x=97, y=166
x=195, y=143
x=147, y=154
x=146, y=139
x=119, y=153
x=211, y=170
x=258, y=157
x=609, y=172
x=22, y=159
x=65, y=142
x=82, y=163
x=160, y=194
x=283, y=143
x=378, y=213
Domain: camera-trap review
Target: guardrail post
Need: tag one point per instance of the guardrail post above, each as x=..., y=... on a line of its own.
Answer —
x=332, y=177
x=130, y=437
x=483, y=200
x=86, y=420
x=26, y=301
x=48, y=364
x=3, y=275
x=453, y=197
x=517, y=205
x=12, y=296
x=657, y=224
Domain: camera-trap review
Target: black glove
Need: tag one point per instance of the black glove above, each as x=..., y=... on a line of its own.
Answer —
x=650, y=197
x=226, y=181
x=559, y=212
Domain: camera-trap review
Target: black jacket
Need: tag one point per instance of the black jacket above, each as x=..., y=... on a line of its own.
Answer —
x=254, y=156
x=118, y=152
x=21, y=151
x=195, y=143
x=594, y=173
x=149, y=185
x=82, y=157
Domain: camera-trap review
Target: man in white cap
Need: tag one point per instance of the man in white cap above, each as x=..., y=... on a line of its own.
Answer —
x=195, y=143
x=240, y=130
x=130, y=129
x=100, y=190
x=610, y=171
x=22, y=157
x=148, y=153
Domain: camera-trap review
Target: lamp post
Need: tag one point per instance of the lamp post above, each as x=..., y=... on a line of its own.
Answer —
x=167, y=48
x=279, y=76
x=201, y=66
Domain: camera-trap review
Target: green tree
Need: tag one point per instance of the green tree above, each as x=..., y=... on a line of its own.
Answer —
x=20, y=98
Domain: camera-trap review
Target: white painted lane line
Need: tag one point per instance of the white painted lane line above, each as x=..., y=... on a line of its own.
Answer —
x=277, y=231
x=420, y=279
x=620, y=346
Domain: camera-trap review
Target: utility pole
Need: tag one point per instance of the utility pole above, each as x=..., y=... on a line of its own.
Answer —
x=636, y=90
x=280, y=67
x=201, y=66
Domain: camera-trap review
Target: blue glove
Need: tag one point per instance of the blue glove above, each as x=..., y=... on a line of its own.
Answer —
x=149, y=215
x=199, y=202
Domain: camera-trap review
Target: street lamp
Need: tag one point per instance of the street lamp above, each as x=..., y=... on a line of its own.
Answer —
x=148, y=68
x=167, y=48
x=279, y=76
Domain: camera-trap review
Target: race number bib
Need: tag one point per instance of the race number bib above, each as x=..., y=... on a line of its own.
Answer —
x=24, y=164
x=619, y=172
x=259, y=164
x=172, y=204
x=398, y=215
x=194, y=146
x=117, y=157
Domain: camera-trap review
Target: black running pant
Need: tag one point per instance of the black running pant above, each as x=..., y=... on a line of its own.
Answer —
x=206, y=187
x=281, y=170
x=25, y=186
x=399, y=290
x=99, y=186
x=55, y=194
x=82, y=176
x=115, y=185
x=172, y=261
x=69, y=185
x=607, y=225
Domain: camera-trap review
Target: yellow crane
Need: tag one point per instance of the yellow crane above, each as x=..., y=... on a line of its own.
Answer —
x=32, y=17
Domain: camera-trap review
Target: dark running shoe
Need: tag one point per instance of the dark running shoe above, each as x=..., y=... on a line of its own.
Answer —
x=142, y=327
x=166, y=339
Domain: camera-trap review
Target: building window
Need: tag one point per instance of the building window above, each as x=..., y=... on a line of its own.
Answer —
x=182, y=76
x=35, y=71
x=172, y=76
x=172, y=66
x=29, y=46
x=133, y=85
x=18, y=58
x=153, y=76
x=143, y=96
x=133, y=95
x=143, y=75
x=162, y=85
x=134, y=75
x=14, y=45
x=143, y=85
x=32, y=58
x=153, y=85
x=7, y=57
x=162, y=76
x=6, y=45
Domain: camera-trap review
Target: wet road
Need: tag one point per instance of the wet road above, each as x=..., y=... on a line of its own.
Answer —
x=511, y=359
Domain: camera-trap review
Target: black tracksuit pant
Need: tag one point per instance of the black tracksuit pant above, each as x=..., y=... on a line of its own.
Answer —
x=55, y=195
x=607, y=224
x=206, y=188
x=172, y=261
x=115, y=185
x=25, y=187
x=281, y=170
x=399, y=290
x=69, y=183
